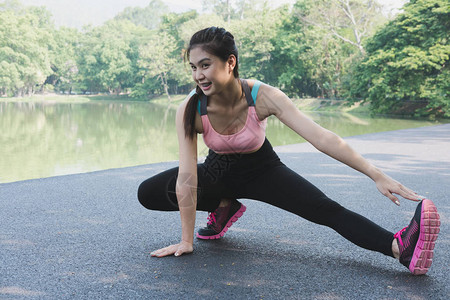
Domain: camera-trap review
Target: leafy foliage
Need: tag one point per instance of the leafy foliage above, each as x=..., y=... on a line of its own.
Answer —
x=326, y=49
x=407, y=63
x=148, y=17
x=108, y=56
x=24, y=52
x=156, y=60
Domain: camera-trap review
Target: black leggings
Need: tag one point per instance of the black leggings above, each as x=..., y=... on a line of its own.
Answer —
x=262, y=176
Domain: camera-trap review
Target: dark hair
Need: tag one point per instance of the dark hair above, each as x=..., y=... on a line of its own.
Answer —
x=216, y=41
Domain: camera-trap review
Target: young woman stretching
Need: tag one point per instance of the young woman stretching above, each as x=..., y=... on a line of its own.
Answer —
x=231, y=113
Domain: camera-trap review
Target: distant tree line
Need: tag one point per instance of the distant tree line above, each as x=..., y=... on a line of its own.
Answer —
x=341, y=49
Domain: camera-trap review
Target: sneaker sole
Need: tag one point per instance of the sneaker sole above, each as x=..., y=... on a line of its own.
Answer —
x=429, y=230
x=233, y=219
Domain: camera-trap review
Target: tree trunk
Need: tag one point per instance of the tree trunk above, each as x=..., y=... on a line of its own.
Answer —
x=163, y=77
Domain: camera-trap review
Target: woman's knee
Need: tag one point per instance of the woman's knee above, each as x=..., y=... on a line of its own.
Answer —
x=328, y=211
x=144, y=195
x=158, y=193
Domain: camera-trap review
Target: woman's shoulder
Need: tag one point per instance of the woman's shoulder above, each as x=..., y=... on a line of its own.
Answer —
x=191, y=93
x=266, y=97
x=252, y=82
x=183, y=104
x=259, y=84
x=262, y=90
x=188, y=97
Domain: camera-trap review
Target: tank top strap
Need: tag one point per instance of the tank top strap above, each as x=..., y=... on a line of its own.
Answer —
x=248, y=94
x=203, y=102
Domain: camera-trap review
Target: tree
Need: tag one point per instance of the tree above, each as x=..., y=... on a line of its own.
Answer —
x=63, y=59
x=255, y=45
x=24, y=38
x=148, y=17
x=108, y=56
x=11, y=5
x=292, y=60
x=230, y=10
x=222, y=8
x=155, y=59
x=309, y=60
x=407, y=65
x=340, y=17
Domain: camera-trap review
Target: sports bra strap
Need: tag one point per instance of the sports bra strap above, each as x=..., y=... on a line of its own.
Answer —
x=255, y=89
x=248, y=94
x=203, y=102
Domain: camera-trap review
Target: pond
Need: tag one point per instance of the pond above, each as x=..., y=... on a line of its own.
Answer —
x=43, y=139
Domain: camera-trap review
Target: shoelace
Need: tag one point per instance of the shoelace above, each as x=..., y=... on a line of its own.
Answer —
x=211, y=218
x=398, y=235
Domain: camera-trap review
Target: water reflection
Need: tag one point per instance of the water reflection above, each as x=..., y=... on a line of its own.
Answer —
x=41, y=139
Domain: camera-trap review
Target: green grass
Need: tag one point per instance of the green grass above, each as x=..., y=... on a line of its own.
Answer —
x=176, y=99
x=106, y=97
x=328, y=105
x=48, y=98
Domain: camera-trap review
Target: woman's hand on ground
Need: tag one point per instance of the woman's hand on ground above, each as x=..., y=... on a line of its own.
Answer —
x=388, y=187
x=177, y=250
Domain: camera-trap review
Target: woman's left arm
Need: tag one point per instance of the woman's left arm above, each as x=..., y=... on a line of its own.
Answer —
x=272, y=101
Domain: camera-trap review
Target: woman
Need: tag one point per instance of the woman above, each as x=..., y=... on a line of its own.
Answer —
x=231, y=114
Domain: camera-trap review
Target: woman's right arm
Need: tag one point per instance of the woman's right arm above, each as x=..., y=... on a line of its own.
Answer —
x=186, y=189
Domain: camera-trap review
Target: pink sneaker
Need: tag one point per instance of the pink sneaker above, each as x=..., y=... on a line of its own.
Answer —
x=220, y=220
x=416, y=241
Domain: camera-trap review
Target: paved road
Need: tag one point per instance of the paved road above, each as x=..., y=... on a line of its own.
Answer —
x=87, y=237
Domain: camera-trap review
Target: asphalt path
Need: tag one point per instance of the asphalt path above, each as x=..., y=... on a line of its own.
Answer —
x=86, y=236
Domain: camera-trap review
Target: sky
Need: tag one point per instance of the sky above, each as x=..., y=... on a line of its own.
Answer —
x=76, y=13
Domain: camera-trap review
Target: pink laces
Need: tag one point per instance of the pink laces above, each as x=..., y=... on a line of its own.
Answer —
x=398, y=235
x=211, y=218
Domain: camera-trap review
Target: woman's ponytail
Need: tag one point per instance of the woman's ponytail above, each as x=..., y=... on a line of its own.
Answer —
x=190, y=113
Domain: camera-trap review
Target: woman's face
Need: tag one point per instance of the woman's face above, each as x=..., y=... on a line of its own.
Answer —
x=209, y=72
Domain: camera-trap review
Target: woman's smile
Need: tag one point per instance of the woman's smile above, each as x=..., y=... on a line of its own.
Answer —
x=208, y=71
x=205, y=86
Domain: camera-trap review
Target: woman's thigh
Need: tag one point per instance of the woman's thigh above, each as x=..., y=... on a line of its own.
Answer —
x=158, y=192
x=287, y=190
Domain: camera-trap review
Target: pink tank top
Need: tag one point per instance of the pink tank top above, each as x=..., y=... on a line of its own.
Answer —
x=250, y=138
